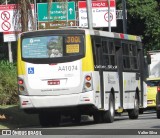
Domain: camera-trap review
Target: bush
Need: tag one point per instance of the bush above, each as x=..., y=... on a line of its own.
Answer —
x=8, y=83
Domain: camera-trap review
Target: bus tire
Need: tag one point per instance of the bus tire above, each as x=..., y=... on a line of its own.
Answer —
x=44, y=120
x=158, y=114
x=76, y=119
x=97, y=116
x=141, y=111
x=55, y=119
x=49, y=119
x=108, y=116
x=134, y=113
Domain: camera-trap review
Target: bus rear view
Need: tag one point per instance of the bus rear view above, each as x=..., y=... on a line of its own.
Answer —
x=76, y=72
x=50, y=73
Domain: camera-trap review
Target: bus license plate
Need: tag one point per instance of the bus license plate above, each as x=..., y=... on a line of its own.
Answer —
x=54, y=82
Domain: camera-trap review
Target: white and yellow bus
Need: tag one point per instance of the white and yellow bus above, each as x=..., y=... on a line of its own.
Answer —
x=78, y=72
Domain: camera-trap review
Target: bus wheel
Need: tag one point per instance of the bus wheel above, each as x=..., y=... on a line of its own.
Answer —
x=133, y=113
x=97, y=116
x=76, y=119
x=48, y=119
x=108, y=116
x=141, y=111
x=158, y=114
x=55, y=119
x=44, y=120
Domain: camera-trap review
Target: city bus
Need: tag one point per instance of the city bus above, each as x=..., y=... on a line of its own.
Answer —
x=74, y=72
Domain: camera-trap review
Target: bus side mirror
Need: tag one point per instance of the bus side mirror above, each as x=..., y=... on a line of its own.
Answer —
x=148, y=58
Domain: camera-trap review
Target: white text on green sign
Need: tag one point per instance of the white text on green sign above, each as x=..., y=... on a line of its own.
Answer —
x=58, y=11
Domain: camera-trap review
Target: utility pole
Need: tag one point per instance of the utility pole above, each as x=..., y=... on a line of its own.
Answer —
x=124, y=16
x=89, y=14
x=109, y=22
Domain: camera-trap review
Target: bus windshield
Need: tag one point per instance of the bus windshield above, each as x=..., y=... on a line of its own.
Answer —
x=52, y=48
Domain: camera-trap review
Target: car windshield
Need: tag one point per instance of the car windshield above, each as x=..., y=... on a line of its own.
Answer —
x=153, y=83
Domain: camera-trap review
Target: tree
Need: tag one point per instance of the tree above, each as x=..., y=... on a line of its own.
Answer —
x=24, y=11
x=23, y=16
x=144, y=19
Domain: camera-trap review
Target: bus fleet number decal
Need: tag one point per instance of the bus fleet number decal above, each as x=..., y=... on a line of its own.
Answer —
x=68, y=68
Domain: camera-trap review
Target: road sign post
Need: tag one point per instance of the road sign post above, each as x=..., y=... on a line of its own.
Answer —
x=109, y=22
x=9, y=43
x=89, y=14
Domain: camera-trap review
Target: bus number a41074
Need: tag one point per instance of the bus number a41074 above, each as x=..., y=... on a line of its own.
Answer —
x=68, y=68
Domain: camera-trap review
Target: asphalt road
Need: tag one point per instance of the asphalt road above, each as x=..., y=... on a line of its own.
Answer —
x=146, y=124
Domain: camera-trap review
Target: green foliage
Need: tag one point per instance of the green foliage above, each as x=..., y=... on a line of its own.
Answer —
x=8, y=83
x=147, y=15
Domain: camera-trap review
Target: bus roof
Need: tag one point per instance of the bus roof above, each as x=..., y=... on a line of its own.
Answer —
x=109, y=34
x=116, y=35
x=101, y=33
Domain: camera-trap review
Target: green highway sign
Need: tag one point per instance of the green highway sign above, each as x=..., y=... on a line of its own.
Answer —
x=58, y=11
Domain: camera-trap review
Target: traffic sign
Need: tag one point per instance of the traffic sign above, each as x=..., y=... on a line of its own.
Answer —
x=6, y=26
x=7, y=22
x=106, y=16
x=9, y=36
x=57, y=11
x=119, y=14
x=99, y=13
x=55, y=24
x=6, y=15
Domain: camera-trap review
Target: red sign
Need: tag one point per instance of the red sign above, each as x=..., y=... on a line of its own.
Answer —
x=97, y=4
x=6, y=17
x=99, y=11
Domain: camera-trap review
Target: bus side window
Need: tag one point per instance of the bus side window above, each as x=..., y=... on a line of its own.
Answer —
x=130, y=56
x=96, y=50
x=126, y=57
x=134, y=56
x=108, y=53
x=98, y=56
x=105, y=52
x=112, y=52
